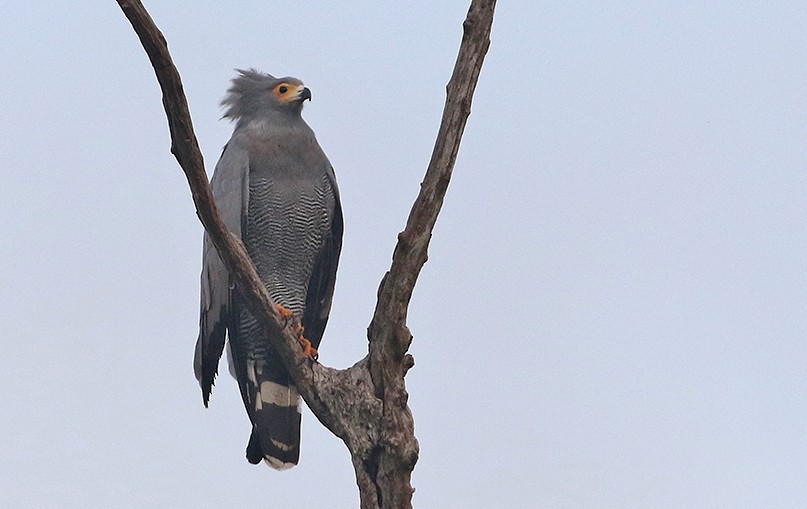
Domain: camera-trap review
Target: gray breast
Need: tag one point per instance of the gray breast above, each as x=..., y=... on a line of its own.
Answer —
x=287, y=221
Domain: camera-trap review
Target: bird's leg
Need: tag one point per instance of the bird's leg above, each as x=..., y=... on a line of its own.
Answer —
x=285, y=313
x=308, y=350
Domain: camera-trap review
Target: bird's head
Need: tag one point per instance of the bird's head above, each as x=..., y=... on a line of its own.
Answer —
x=254, y=94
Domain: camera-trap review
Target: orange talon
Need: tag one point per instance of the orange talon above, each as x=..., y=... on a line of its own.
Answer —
x=309, y=350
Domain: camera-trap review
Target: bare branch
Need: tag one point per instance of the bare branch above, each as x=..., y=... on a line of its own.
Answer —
x=389, y=337
x=388, y=334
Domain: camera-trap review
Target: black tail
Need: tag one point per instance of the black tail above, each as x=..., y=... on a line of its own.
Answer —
x=270, y=397
x=275, y=425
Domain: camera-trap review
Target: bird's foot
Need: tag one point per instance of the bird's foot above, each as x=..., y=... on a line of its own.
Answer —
x=285, y=313
x=308, y=350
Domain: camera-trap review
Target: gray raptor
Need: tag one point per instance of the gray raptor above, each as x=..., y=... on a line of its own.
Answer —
x=276, y=190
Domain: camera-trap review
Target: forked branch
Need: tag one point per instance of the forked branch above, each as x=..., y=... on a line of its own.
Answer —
x=365, y=405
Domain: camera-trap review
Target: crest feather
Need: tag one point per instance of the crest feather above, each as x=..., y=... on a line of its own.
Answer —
x=244, y=94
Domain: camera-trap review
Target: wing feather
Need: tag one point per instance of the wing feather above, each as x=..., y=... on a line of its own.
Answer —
x=228, y=185
x=323, y=277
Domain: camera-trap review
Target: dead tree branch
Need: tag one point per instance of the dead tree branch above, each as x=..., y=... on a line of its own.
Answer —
x=365, y=405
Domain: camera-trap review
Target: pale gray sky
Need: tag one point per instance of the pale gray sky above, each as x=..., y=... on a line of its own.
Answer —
x=614, y=309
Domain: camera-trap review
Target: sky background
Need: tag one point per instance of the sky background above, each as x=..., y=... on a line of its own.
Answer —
x=613, y=313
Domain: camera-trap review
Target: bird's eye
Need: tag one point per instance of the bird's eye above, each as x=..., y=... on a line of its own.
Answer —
x=283, y=89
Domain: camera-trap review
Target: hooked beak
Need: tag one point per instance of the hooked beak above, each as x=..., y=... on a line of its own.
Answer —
x=304, y=94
